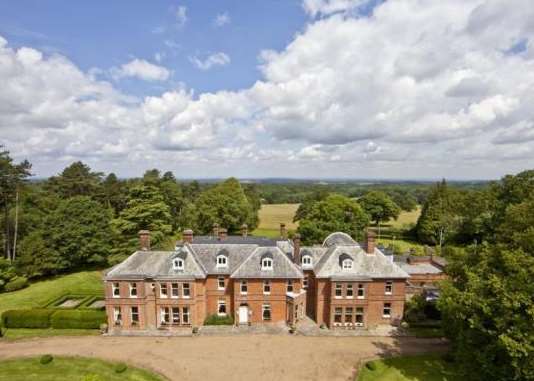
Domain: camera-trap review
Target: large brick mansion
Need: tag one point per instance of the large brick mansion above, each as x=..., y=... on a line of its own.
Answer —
x=341, y=284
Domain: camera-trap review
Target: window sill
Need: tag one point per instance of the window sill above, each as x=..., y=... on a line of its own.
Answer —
x=388, y=293
x=386, y=316
x=350, y=297
x=338, y=297
x=361, y=297
x=133, y=296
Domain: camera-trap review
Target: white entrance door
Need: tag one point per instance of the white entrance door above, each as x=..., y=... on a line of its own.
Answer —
x=243, y=314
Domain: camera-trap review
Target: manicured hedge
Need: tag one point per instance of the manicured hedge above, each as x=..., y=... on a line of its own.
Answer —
x=16, y=284
x=219, y=320
x=82, y=319
x=36, y=318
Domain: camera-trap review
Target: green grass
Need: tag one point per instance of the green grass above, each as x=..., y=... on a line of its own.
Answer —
x=70, y=369
x=41, y=292
x=416, y=368
x=22, y=333
x=404, y=220
x=403, y=245
x=271, y=215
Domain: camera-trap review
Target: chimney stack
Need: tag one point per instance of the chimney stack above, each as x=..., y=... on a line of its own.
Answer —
x=188, y=236
x=215, y=229
x=244, y=230
x=296, y=248
x=144, y=240
x=370, y=242
x=222, y=234
x=283, y=231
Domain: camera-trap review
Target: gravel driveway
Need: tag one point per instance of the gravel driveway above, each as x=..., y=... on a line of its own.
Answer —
x=257, y=357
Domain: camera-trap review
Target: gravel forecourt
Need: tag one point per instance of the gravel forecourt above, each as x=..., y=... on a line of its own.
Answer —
x=254, y=357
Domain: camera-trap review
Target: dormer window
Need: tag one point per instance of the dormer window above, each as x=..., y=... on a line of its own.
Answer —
x=222, y=260
x=178, y=264
x=267, y=264
x=306, y=260
x=347, y=264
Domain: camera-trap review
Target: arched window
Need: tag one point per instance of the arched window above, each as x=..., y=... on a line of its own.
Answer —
x=222, y=260
x=267, y=264
x=347, y=264
x=306, y=260
x=178, y=264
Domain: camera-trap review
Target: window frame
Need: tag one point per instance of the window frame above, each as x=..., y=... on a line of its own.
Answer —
x=350, y=287
x=348, y=311
x=289, y=286
x=178, y=264
x=219, y=283
x=186, y=287
x=115, y=286
x=361, y=287
x=347, y=264
x=134, y=316
x=164, y=315
x=338, y=287
x=175, y=316
x=267, y=263
x=173, y=289
x=117, y=315
x=359, y=311
x=387, y=306
x=243, y=285
x=186, y=316
x=163, y=290
x=222, y=258
x=133, y=287
x=338, y=312
x=266, y=287
x=307, y=261
x=221, y=303
x=266, y=308
x=305, y=282
x=388, y=285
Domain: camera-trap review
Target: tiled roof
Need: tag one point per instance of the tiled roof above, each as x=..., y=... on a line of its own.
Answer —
x=283, y=267
x=155, y=264
x=315, y=252
x=234, y=239
x=236, y=254
x=420, y=268
x=365, y=266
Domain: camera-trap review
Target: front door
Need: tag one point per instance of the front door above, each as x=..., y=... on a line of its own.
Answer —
x=243, y=314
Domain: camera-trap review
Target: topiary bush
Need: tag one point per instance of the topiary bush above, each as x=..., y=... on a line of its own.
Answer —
x=16, y=284
x=46, y=359
x=121, y=367
x=371, y=365
x=36, y=318
x=219, y=320
x=77, y=319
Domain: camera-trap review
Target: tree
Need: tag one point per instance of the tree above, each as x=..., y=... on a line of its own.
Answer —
x=379, y=207
x=113, y=193
x=76, y=180
x=12, y=176
x=438, y=217
x=145, y=210
x=226, y=204
x=488, y=310
x=79, y=230
x=517, y=229
x=37, y=258
x=334, y=213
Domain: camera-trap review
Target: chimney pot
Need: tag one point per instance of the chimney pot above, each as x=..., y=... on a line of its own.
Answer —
x=244, y=230
x=144, y=240
x=222, y=234
x=296, y=248
x=370, y=242
x=283, y=231
x=188, y=236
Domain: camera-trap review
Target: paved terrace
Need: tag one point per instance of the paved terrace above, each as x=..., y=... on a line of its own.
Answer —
x=238, y=357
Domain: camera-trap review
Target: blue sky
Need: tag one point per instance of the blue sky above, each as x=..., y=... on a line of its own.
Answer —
x=289, y=88
x=104, y=34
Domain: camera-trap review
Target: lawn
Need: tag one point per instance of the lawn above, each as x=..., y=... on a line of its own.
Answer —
x=70, y=369
x=271, y=215
x=39, y=293
x=405, y=219
x=21, y=333
x=416, y=368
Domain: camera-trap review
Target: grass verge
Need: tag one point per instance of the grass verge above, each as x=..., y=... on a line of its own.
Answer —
x=410, y=368
x=22, y=333
x=70, y=369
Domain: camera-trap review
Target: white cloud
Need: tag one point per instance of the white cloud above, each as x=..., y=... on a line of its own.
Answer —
x=316, y=8
x=181, y=16
x=222, y=19
x=419, y=89
x=143, y=70
x=215, y=59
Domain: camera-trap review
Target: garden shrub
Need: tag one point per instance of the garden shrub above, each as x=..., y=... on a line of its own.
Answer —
x=46, y=359
x=36, y=318
x=219, y=320
x=16, y=284
x=371, y=365
x=77, y=319
x=120, y=367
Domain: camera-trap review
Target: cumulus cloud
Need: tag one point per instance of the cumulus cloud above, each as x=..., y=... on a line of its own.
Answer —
x=221, y=19
x=215, y=59
x=181, y=16
x=418, y=89
x=143, y=70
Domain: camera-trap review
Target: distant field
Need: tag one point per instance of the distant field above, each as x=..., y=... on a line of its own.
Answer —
x=405, y=218
x=272, y=215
